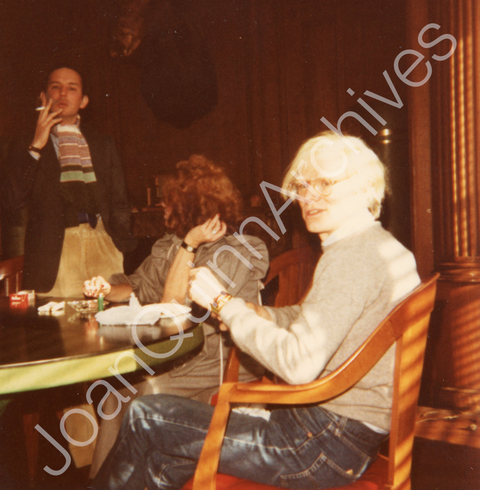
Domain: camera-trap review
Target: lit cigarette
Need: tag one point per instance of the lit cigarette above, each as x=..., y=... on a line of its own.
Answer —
x=40, y=108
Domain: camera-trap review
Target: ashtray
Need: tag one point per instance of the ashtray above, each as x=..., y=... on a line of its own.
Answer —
x=86, y=306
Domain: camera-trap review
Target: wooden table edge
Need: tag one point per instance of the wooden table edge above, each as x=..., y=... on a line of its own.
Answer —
x=60, y=372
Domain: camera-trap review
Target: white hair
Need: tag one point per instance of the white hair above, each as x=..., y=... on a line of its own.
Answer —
x=328, y=151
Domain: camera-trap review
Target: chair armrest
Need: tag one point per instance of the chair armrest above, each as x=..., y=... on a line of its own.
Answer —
x=324, y=388
x=233, y=366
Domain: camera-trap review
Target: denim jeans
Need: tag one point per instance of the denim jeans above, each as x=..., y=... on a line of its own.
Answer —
x=299, y=448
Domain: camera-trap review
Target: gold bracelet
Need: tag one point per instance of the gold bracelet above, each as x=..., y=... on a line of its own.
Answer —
x=220, y=301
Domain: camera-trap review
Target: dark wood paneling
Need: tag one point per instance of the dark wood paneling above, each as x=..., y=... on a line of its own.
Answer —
x=281, y=65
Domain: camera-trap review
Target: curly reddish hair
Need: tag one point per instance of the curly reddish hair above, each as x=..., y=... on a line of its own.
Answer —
x=198, y=191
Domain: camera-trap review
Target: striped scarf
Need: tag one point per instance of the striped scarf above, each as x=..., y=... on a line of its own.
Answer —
x=74, y=154
x=77, y=177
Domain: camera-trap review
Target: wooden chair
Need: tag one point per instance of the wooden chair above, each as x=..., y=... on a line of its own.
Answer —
x=11, y=272
x=294, y=270
x=407, y=325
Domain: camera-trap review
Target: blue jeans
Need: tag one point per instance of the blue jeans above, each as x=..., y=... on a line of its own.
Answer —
x=300, y=448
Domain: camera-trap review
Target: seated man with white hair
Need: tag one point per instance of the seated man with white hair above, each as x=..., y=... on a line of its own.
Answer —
x=363, y=274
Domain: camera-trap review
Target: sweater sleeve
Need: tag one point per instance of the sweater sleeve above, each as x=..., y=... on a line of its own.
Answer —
x=299, y=353
x=353, y=290
x=285, y=315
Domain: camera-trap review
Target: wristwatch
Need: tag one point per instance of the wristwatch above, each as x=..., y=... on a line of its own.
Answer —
x=189, y=248
x=35, y=149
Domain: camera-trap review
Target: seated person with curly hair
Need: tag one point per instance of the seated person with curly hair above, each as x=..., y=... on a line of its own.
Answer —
x=202, y=210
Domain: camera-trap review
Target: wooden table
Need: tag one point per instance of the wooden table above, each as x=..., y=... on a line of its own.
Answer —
x=44, y=351
x=454, y=427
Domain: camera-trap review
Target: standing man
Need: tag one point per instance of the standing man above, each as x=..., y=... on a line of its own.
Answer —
x=71, y=180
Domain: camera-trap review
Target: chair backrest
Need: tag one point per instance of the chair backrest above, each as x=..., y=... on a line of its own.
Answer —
x=11, y=273
x=409, y=322
x=294, y=270
x=407, y=326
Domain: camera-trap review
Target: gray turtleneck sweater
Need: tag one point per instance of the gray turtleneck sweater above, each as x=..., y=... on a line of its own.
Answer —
x=358, y=280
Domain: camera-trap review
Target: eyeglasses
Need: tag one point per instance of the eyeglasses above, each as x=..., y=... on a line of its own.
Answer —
x=320, y=186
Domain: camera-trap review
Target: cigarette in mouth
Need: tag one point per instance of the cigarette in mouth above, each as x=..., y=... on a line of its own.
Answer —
x=40, y=108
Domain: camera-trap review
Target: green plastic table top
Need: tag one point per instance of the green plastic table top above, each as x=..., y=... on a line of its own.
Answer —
x=45, y=351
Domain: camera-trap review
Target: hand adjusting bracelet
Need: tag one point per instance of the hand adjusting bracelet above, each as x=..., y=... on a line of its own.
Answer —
x=220, y=301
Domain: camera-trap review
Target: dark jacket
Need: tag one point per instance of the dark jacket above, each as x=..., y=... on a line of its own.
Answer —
x=36, y=184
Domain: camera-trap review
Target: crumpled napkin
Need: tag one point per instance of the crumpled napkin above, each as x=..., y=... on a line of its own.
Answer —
x=133, y=314
x=52, y=307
